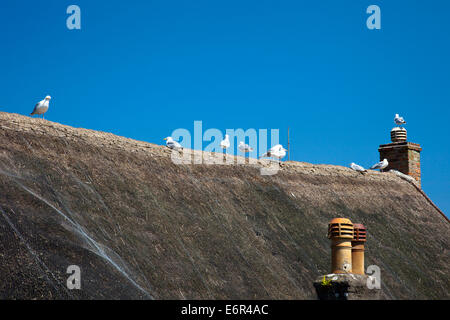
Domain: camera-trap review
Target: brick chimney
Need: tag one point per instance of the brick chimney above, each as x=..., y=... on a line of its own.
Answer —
x=402, y=155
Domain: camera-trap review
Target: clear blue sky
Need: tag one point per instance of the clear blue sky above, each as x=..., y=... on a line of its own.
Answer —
x=141, y=69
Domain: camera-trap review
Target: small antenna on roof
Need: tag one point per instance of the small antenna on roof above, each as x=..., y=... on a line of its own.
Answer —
x=289, y=147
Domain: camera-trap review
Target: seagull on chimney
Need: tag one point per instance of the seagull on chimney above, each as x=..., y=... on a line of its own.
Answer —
x=399, y=120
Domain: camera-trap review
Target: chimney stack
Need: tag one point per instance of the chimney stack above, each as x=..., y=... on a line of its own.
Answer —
x=347, y=246
x=347, y=280
x=402, y=155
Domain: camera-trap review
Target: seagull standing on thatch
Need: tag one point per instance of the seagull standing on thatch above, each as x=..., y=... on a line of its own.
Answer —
x=244, y=147
x=41, y=107
x=380, y=165
x=225, y=144
x=357, y=167
x=276, y=151
x=399, y=120
x=172, y=144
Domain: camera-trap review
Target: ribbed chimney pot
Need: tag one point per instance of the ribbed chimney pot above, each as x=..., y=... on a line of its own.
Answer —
x=398, y=134
x=340, y=232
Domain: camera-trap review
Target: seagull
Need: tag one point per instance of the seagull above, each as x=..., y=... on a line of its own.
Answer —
x=380, y=165
x=357, y=167
x=276, y=151
x=244, y=147
x=172, y=144
x=225, y=144
x=41, y=107
x=399, y=120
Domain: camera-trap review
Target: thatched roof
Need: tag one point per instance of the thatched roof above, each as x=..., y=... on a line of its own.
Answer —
x=140, y=226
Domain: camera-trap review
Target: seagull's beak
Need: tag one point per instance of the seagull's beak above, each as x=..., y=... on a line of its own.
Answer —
x=165, y=139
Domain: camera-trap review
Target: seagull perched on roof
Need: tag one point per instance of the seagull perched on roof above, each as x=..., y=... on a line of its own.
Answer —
x=399, y=120
x=276, y=151
x=172, y=144
x=380, y=165
x=225, y=143
x=41, y=107
x=244, y=147
x=357, y=167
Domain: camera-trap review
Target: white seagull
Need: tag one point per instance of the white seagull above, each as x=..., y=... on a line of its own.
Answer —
x=244, y=147
x=399, y=120
x=357, y=167
x=41, y=107
x=276, y=151
x=225, y=144
x=380, y=165
x=172, y=144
